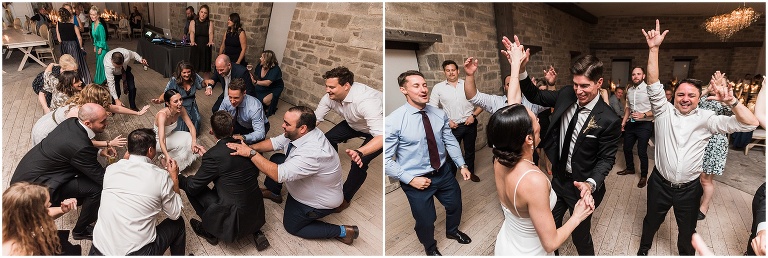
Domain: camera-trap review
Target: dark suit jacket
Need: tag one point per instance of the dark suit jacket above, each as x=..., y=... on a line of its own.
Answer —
x=65, y=153
x=238, y=71
x=240, y=210
x=592, y=157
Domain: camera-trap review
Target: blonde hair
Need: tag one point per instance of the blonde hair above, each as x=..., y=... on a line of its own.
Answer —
x=26, y=220
x=93, y=93
x=67, y=62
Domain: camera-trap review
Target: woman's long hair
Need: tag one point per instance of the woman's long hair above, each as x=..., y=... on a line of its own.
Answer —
x=93, y=93
x=506, y=133
x=67, y=81
x=183, y=64
x=26, y=220
x=64, y=15
x=270, y=57
x=207, y=17
x=236, y=25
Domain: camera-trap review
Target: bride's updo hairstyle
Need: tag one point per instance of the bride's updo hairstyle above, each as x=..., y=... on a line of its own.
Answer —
x=168, y=95
x=506, y=133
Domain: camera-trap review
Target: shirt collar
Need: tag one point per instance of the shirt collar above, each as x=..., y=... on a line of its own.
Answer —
x=139, y=158
x=591, y=104
x=304, y=139
x=353, y=91
x=413, y=110
x=90, y=132
x=693, y=112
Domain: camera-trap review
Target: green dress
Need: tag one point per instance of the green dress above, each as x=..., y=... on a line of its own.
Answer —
x=99, y=35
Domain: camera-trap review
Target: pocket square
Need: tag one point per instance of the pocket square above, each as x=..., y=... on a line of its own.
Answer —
x=590, y=136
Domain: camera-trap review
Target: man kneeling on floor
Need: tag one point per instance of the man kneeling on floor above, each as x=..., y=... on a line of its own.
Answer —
x=235, y=207
x=311, y=171
x=135, y=191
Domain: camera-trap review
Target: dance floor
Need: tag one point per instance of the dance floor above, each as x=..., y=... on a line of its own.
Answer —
x=21, y=109
x=616, y=224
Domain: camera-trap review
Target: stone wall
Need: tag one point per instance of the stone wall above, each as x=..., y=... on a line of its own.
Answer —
x=735, y=62
x=557, y=33
x=467, y=29
x=253, y=16
x=327, y=35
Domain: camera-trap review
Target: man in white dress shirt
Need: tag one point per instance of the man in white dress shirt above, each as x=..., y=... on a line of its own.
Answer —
x=449, y=96
x=135, y=191
x=682, y=132
x=116, y=70
x=311, y=171
x=362, y=109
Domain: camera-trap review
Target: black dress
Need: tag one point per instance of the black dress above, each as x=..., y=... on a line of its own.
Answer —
x=200, y=56
x=70, y=45
x=232, y=47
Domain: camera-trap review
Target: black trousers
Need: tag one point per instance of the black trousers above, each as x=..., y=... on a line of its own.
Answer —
x=567, y=196
x=640, y=132
x=88, y=194
x=446, y=189
x=272, y=185
x=341, y=133
x=468, y=135
x=170, y=234
x=684, y=200
x=303, y=221
x=131, y=86
x=758, y=215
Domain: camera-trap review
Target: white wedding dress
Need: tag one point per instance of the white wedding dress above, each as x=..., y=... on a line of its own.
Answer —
x=178, y=144
x=517, y=236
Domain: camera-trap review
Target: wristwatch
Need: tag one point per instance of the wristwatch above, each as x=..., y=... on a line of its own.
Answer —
x=253, y=153
x=591, y=185
x=463, y=166
x=736, y=103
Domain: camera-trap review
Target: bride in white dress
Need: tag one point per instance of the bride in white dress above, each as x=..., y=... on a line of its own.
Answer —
x=524, y=191
x=180, y=146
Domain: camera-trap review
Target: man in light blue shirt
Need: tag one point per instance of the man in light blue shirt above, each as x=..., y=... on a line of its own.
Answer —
x=420, y=161
x=251, y=125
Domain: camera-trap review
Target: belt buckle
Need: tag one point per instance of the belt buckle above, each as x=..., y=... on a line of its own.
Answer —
x=675, y=185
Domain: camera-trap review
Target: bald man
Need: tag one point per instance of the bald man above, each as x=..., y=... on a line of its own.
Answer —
x=225, y=72
x=66, y=163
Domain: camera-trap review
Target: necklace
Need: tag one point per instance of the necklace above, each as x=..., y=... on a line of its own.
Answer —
x=532, y=163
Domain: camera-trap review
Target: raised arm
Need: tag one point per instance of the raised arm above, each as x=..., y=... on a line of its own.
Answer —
x=760, y=106
x=724, y=94
x=470, y=67
x=655, y=90
x=516, y=56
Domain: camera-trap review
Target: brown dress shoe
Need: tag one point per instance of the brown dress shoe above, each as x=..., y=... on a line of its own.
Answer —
x=642, y=183
x=625, y=172
x=344, y=205
x=267, y=194
x=474, y=178
x=352, y=234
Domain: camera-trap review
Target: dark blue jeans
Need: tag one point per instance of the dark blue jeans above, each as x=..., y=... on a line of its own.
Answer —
x=640, y=132
x=446, y=189
x=302, y=220
x=341, y=133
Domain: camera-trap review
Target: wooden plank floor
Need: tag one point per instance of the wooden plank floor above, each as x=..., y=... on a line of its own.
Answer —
x=21, y=110
x=616, y=224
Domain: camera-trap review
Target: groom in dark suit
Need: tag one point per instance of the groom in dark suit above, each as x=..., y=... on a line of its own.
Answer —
x=234, y=207
x=225, y=72
x=65, y=161
x=581, y=140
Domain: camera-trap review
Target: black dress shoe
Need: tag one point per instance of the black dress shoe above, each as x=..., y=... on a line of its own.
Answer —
x=197, y=226
x=459, y=237
x=267, y=194
x=261, y=240
x=625, y=172
x=87, y=234
x=701, y=216
x=642, y=253
x=434, y=253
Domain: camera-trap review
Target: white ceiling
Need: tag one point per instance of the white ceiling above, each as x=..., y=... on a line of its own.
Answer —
x=665, y=9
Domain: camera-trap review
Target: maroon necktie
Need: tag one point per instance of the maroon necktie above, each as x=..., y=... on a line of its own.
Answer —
x=434, y=156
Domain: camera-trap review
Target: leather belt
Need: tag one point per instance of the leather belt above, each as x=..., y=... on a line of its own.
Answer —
x=677, y=185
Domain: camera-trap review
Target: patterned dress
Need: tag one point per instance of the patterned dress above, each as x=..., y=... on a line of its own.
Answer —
x=717, y=149
x=99, y=35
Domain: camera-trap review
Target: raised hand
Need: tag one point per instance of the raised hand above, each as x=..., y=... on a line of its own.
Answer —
x=550, y=75
x=655, y=37
x=721, y=89
x=470, y=66
x=514, y=51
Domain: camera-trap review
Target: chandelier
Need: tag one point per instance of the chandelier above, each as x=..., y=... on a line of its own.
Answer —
x=725, y=25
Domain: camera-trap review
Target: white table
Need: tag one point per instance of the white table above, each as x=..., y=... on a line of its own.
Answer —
x=13, y=38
